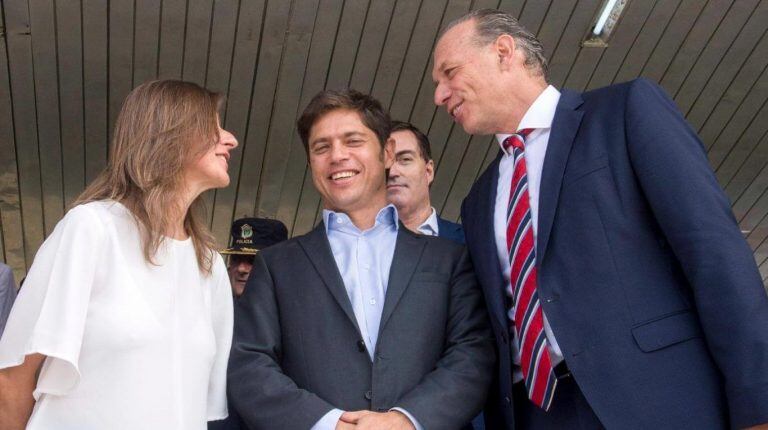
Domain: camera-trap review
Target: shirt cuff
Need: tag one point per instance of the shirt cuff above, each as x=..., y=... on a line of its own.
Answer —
x=329, y=420
x=414, y=421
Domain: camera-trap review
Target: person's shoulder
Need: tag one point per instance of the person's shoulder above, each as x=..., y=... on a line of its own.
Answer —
x=100, y=209
x=622, y=89
x=281, y=251
x=439, y=244
x=218, y=267
x=6, y=274
x=453, y=225
x=91, y=214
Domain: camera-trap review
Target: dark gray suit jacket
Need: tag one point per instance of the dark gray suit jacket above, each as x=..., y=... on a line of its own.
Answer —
x=297, y=351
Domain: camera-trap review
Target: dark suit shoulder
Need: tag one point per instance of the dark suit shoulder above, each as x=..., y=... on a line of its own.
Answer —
x=281, y=250
x=450, y=230
x=441, y=250
x=620, y=90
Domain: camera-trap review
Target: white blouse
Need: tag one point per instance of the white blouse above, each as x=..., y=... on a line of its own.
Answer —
x=129, y=345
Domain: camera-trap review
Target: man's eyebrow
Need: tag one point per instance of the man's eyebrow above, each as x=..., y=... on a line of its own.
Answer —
x=405, y=152
x=319, y=140
x=354, y=133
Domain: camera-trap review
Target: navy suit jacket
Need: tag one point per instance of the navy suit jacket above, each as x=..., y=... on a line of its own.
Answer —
x=450, y=230
x=651, y=291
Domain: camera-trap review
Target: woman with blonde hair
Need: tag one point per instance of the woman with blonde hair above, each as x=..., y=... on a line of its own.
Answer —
x=125, y=318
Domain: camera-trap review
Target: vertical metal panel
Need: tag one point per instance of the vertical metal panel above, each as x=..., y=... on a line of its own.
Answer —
x=298, y=189
x=280, y=142
x=636, y=15
x=69, y=37
x=375, y=31
x=748, y=48
x=173, y=21
x=121, y=31
x=95, y=86
x=729, y=46
x=567, y=50
x=217, y=73
x=647, y=40
x=748, y=174
x=197, y=39
x=270, y=56
x=10, y=207
x=746, y=116
x=245, y=53
x=673, y=38
x=696, y=40
x=417, y=61
x=393, y=55
x=19, y=43
x=146, y=41
x=47, y=103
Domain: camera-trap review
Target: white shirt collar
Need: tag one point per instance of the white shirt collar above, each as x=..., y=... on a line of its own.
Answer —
x=539, y=115
x=429, y=227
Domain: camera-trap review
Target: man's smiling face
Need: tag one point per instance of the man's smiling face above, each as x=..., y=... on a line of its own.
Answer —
x=347, y=161
x=467, y=79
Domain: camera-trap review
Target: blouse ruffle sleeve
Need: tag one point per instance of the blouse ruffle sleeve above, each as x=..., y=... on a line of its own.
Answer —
x=49, y=314
x=222, y=319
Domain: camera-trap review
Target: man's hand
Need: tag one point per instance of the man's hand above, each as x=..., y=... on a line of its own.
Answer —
x=758, y=427
x=343, y=425
x=367, y=420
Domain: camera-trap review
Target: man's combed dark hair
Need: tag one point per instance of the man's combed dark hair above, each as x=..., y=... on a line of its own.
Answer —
x=371, y=113
x=424, y=148
x=492, y=23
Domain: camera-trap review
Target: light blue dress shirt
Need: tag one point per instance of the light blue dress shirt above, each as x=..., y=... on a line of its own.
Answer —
x=364, y=259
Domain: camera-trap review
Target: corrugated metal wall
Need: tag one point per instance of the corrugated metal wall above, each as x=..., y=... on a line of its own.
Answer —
x=65, y=67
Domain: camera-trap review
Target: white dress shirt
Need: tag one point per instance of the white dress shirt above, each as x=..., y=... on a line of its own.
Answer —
x=429, y=227
x=538, y=117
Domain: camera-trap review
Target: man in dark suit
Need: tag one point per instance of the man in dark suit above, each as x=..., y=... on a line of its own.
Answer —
x=360, y=323
x=621, y=290
x=408, y=184
x=248, y=237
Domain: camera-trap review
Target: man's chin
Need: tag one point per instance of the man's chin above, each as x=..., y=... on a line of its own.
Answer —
x=395, y=197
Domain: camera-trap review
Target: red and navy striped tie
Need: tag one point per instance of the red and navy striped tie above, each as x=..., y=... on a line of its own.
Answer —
x=525, y=314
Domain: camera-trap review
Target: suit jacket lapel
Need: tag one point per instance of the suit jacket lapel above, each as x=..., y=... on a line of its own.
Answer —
x=408, y=249
x=318, y=249
x=488, y=263
x=564, y=127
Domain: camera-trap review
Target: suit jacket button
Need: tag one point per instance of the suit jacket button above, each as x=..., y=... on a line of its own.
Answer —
x=508, y=400
x=368, y=395
x=361, y=345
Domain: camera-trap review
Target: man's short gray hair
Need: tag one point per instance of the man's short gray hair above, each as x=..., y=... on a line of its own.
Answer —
x=492, y=23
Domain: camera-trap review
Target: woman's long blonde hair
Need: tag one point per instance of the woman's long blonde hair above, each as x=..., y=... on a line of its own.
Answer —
x=162, y=127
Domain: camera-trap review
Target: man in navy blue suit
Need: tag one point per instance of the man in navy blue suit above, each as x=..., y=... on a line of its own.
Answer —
x=408, y=184
x=621, y=291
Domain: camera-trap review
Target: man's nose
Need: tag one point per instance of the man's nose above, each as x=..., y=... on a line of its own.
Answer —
x=442, y=94
x=394, y=171
x=339, y=152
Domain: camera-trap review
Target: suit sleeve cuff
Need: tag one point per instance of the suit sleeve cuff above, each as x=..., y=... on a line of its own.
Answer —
x=414, y=421
x=328, y=421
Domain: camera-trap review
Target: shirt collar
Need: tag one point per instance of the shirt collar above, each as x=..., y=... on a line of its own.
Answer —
x=430, y=226
x=539, y=115
x=387, y=216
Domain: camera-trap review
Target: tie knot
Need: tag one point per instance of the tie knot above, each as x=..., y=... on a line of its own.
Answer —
x=517, y=140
